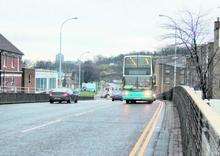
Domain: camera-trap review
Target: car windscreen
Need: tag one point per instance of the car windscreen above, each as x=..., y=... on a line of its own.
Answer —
x=62, y=90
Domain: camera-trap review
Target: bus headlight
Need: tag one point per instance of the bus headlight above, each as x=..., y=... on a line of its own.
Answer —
x=147, y=93
x=125, y=93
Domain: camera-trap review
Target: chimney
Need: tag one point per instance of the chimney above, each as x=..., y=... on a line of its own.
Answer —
x=216, y=34
x=217, y=24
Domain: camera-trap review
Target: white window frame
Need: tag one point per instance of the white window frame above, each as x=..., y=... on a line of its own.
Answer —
x=4, y=61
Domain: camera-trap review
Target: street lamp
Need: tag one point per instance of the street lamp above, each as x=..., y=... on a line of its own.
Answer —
x=175, y=47
x=80, y=68
x=60, y=53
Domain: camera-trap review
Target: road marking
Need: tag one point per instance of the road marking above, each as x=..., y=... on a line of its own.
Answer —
x=61, y=119
x=38, y=127
x=140, y=147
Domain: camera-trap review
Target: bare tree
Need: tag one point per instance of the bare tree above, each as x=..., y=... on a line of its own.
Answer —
x=190, y=31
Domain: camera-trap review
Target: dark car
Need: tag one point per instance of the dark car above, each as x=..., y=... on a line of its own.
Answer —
x=117, y=95
x=63, y=94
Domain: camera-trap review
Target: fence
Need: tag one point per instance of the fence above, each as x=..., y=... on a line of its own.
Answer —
x=200, y=124
x=14, y=89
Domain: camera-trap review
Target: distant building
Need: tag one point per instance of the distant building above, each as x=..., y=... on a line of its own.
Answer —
x=45, y=80
x=10, y=66
x=28, y=80
x=186, y=71
x=164, y=70
x=38, y=80
x=58, y=57
x=70, y=80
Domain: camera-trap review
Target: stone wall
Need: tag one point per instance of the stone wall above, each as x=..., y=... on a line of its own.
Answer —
x=200, y=124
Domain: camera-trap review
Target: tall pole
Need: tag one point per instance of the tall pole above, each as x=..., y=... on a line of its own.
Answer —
x=79, y=74
x=60, y=53
x=80, y=68
x=162, y=72
x=175, y=47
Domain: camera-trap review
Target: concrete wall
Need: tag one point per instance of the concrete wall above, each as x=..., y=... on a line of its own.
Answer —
x=13, y=98
x=200, y=124
x=8, y=98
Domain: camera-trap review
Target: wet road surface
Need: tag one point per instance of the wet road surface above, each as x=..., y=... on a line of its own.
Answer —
x=99, y=127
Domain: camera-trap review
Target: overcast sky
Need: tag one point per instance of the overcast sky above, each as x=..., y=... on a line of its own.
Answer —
x=106, y=27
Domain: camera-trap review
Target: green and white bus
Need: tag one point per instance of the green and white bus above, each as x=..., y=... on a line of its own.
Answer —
x=138, y=78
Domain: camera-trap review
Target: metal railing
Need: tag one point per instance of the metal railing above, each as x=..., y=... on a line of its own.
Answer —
x=15, y=89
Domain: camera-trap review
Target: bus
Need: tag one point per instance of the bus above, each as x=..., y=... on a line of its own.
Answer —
x=138, y=79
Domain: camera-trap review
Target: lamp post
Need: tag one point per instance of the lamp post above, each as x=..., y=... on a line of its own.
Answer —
x=175, y=48
x=60, y=53
x=80, y=68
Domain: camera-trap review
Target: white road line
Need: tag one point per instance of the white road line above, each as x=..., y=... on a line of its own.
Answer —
x=38, y=127
x=61, y=119
x=92, y=110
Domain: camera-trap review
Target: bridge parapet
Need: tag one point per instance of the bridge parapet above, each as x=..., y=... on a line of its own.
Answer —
x=200, y=124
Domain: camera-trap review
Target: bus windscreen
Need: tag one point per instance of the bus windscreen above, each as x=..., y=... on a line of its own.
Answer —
x=137, y=65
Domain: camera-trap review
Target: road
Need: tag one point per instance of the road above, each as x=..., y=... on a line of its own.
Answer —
x=99, y=127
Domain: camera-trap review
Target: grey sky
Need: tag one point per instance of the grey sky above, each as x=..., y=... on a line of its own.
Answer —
x=106, y=27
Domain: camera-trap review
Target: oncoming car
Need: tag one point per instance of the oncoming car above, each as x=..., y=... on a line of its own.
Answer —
x=63, y=94
x=117, y=95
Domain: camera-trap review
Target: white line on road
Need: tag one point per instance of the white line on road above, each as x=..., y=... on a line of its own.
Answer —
x=46, y=124
x=61, y=119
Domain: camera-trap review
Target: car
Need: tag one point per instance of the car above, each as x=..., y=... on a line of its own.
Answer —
x=63, y=94
x=105, y=94
x=117, y=95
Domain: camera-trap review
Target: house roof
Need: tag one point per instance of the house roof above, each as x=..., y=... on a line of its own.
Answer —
x=8, y=46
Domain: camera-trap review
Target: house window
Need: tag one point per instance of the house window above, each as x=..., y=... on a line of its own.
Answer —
x=167, y=71
x=182, y=81
x=167, y=80
x=4, y=61
x=52, y=83
x=41, y=84
x=12, y=62
x=13, y=81
x=18, y=66
x=182, y=71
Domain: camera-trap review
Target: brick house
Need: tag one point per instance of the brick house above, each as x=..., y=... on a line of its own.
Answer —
x=10, y=66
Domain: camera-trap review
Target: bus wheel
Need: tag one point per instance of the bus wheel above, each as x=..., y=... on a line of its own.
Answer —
x=127, y=101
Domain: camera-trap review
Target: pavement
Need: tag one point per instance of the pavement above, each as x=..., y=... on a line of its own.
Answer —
x=166, y=140
x=97, y=127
